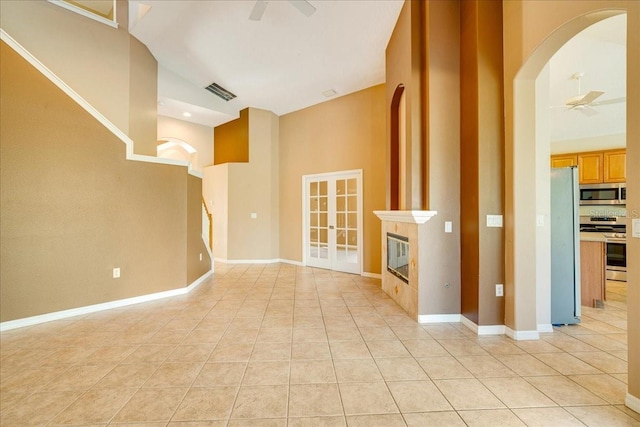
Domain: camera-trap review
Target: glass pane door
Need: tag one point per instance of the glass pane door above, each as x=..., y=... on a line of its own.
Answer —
x=333, y=221
x=318, y=223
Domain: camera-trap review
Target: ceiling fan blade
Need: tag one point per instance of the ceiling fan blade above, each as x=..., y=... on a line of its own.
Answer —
x=591, y=96
x=611, y=101
x=258, y=10
x=303, y=6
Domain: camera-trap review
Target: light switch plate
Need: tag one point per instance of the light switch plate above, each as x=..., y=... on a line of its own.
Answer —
x=448, y=227
x=540, y=220
x=494, y=220
x=254, y=215
x=635, y=228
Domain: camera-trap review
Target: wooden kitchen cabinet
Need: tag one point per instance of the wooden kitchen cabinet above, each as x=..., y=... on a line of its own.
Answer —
x=564, y=160
x=595, y=167
x=592, y=273
x=590, y=168
x=615, y=166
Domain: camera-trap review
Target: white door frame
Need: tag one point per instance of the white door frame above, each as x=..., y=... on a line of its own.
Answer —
x=305, y=213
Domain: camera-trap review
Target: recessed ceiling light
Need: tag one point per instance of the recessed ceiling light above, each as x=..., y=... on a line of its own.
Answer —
x=329, y=93
x=186, y=114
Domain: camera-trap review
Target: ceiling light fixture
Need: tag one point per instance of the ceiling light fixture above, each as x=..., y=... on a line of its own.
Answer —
x=186, y=114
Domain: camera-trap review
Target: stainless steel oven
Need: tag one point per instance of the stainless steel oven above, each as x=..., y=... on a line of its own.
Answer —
x=616, y=255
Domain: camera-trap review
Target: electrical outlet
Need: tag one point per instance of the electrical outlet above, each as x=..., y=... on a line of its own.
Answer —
x=200, y=256
x=499, y=290
x=116, y=273
x=494, y=220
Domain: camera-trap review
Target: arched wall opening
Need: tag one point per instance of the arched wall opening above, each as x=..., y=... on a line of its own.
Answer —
x=398, y=147
x=177, y=149
x=528, y=48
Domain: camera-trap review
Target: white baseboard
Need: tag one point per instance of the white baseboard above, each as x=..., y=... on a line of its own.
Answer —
x=438, y=318
x=292, y=262
x=632, y=402
x=64, y=314
x=545, y=327
x=371, y=275
x=484, y=329
x=522, y=335
x=258, y=261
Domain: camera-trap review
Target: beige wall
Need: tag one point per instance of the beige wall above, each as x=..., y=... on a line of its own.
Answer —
x=111, y=70
x=596, y=143
x=441, y=260
x=533, y=31
x=405, y=66
x=482, y=160
x=253, y=188
x=342, y=134
x=198, y=136
x=239, y=190
x=73, y=208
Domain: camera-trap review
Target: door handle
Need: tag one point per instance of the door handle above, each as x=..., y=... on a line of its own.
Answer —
x=331, y=227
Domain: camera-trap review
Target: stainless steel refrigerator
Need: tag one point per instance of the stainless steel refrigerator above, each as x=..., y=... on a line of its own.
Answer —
x=565, y=247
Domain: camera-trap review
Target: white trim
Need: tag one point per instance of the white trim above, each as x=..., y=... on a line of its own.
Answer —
x=330, y=262
x=469, y=324
x=438, y=318
x=290, y=261
x=64, y=314
x=542, y=327
x=491, y=330
x=632, y=402
x=412, y=217
x=371, y=275
x=130, y=155
x=258, y=261
x=522, y=335
x=86, y=13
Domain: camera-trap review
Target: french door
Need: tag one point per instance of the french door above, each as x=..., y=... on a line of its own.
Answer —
x=332, y=222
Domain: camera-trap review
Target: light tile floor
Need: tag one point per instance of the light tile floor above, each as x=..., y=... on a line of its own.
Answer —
x=280, y=345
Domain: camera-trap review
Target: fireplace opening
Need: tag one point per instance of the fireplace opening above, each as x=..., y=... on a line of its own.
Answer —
x=398, y=256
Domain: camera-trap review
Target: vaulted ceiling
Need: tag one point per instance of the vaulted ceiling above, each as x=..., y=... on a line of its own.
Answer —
x=286, y=61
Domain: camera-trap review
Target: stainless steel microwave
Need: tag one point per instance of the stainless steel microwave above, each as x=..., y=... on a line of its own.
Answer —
x=603, y=194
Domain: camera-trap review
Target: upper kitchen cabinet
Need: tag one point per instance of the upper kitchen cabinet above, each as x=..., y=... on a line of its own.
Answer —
x=595, y=167
x=590, y=168
x=564, y=160
x=615, y=166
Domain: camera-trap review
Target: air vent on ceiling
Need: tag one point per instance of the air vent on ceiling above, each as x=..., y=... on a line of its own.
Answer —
x=216, y=89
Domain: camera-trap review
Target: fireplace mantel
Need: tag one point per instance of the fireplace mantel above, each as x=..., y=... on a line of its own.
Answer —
x=412, y=217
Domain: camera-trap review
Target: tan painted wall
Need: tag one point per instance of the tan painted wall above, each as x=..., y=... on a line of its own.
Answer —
x=110, y=69
x=253, y=188
x=73, y=208
x=231, y=140
x=482, y=160
x=404, y=62
x=533, y=31
x=198, y=136
x=442, y=127
x=343, y=134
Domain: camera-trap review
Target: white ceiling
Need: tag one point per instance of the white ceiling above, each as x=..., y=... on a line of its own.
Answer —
x=285, y=61
x=600, y=53
x=281, y=63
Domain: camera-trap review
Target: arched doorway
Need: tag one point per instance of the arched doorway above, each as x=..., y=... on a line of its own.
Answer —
x=177, y=149
x=529, y=44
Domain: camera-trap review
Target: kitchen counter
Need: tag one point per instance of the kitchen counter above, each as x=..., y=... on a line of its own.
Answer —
x=598, y=237
x=592, y=237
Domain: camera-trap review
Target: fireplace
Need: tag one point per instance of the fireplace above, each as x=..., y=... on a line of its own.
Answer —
x=398, y=256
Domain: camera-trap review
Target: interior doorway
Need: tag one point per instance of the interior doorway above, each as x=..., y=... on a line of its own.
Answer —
x=332, y=221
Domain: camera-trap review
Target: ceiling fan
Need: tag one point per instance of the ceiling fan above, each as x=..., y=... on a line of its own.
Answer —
x=303, y=6
x=584, y=102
